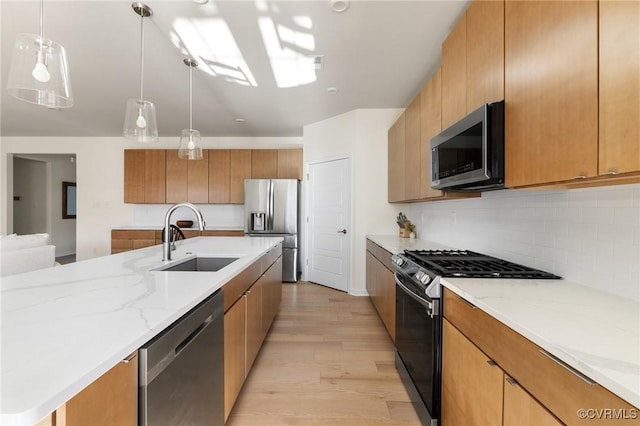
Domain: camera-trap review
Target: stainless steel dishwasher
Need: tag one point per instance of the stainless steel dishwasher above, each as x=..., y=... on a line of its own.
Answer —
x=182, y=369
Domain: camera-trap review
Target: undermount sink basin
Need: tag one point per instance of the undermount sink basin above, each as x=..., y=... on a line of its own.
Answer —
x=207, y=264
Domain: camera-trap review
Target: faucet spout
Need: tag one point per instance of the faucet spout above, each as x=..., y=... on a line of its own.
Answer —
x=166, y=244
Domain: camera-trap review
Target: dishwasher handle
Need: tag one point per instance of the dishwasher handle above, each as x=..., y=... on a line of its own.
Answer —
x=161, y=351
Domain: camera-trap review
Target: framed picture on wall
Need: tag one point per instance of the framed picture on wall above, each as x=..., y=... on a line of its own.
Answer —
x=68, y=200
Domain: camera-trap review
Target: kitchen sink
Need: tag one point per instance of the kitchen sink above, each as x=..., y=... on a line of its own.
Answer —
x=207, y=264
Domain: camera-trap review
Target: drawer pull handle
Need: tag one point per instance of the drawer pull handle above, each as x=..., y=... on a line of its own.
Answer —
x=611, y=173
x=491, y=362
x=511, y=381
x=471, y=305
x=580, y=177
x=128, y=359
x=569, y=368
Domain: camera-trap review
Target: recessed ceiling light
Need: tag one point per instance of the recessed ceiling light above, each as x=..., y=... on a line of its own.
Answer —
x=200, y=1
x=240, y=120
x=332, y=90
x=339, y=5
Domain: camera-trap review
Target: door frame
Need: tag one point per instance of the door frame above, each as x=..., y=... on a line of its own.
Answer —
x=305, y=241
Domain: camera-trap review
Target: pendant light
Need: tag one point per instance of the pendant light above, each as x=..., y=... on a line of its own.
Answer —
x=140, y=118
x=39, y=72
x=190, y=144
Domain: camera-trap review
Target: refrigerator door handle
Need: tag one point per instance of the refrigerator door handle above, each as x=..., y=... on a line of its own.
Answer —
x=270, y=207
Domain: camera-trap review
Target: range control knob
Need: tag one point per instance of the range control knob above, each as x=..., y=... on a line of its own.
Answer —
x=423, y=278
x=398, y=261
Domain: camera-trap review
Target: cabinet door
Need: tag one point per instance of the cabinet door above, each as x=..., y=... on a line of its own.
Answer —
x=412, y=151
x=395, y=185
x=271, y=294
x=234, y=353
x=155, y=175
x=551, y=91
x=176, y=177
x=454, y=74
x=240, y=169
x=485, y=53
x=521, y=409
x=219, y=176
x=198, y=179
x=134, y=176
x=430, y=126
x=264, y=164
x=255, y=336
x=471, y=383
x=619, y=140
x=290, y=164
x=110, y=400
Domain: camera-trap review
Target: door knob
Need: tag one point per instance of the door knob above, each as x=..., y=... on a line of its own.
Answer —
x=344, y=231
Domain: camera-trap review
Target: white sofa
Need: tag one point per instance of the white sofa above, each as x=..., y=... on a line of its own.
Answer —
x=23, y=253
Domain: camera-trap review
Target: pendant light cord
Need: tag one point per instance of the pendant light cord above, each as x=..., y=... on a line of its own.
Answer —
x=41, y=24
x=190, y=97
x=141, y=53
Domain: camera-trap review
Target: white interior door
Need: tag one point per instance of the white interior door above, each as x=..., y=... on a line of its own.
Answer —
x=329, y=219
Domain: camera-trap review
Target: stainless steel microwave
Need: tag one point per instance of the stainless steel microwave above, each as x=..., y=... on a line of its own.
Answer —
x=469, y=155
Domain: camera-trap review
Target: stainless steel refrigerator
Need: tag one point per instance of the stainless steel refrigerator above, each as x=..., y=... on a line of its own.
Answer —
x=271, y=207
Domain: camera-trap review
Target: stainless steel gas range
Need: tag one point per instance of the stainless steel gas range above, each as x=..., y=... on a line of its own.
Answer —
x=419, y=314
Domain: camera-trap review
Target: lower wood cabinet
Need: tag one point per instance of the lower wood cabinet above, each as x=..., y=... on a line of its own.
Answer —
x=131, y=239
x=471, y=382
x=381, y=285
x=493, y=375
x=110, y=400
x=246, y=322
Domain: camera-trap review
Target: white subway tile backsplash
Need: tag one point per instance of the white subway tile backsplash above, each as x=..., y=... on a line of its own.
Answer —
x=614, y=233
x=590, y=236
x=597, y=215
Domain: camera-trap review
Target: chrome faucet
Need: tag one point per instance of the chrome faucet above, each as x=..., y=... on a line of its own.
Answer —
x=166, y=237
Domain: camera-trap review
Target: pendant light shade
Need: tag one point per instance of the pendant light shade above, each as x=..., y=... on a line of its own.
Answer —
x=39, y=71
x=190, y=143
x=140, y=117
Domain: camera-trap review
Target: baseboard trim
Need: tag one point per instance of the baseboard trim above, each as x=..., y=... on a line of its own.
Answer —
x=358, y=292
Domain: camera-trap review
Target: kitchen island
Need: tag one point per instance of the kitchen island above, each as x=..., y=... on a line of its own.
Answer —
x=64, y=327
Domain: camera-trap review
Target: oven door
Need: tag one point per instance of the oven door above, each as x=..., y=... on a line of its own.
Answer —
x=418, y=342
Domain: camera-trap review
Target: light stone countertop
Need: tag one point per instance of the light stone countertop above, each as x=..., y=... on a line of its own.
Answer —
x=595, y=332
x=63, y=327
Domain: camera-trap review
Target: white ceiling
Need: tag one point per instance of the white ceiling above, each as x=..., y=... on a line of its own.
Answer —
x=377, y=54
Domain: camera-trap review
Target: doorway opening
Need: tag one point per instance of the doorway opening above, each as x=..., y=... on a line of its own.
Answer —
x=41, y=199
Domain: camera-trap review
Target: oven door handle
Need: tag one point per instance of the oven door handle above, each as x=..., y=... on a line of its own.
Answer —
x=431, y=307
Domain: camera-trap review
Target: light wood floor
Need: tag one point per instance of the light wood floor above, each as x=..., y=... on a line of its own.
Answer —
x=327, y=360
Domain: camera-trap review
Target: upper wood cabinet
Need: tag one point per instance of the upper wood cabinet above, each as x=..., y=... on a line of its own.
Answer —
x=144, y=176
x=396, y=158
x=430, y=126
x=551, y=91
x=239, y=169
x=187, y=181
x=485, y=53
x=264, y=163
x=619, y=83
x=412, y=151
x=219, y=176
x=290, y=164
x=159, y=176
x=454, y=74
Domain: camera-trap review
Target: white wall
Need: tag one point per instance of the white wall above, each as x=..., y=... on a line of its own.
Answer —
x=30, y=210
x=589, y=236
x=60, y=169
x=360, y=135
x=100, y=177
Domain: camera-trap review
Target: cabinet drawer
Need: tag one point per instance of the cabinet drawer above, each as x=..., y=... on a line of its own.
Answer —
x=381, y=254
x=559, y=390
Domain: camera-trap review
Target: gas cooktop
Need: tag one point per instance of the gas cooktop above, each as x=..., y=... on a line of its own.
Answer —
x=469, y=264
